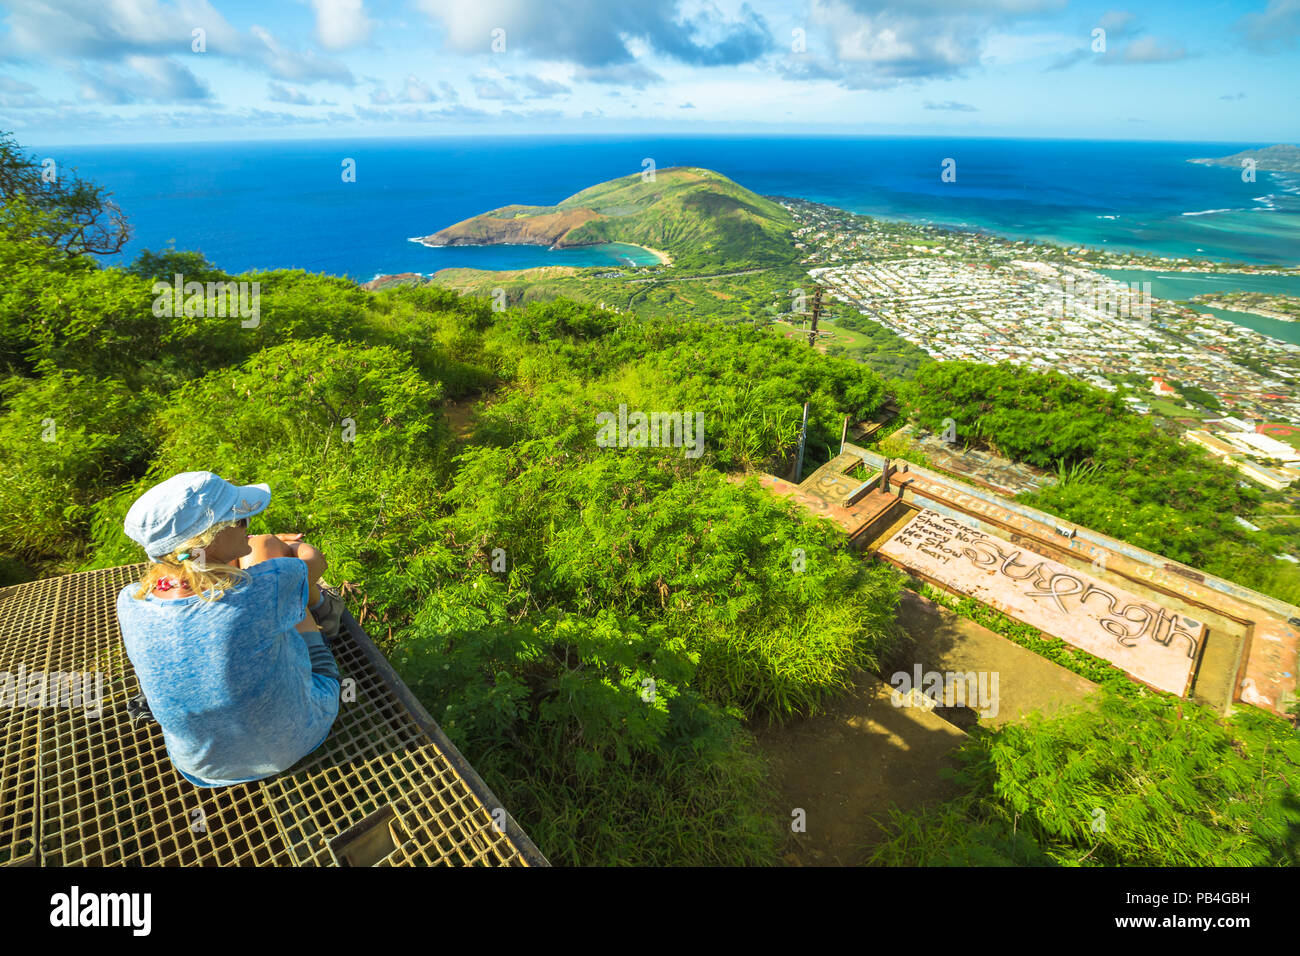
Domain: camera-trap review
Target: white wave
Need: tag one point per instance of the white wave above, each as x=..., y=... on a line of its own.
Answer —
x=380, y=275
x=1209, y=212
x=1289, y=185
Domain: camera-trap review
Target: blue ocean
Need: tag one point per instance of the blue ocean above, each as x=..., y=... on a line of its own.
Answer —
x=286, y=204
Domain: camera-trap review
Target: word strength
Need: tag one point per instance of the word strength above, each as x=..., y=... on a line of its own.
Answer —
x=65, y=689
x=656, y=430
x=74, y=908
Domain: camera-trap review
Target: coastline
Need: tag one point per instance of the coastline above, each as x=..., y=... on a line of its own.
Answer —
x=1257, y=310
x=664, y=258
x=1120, y=258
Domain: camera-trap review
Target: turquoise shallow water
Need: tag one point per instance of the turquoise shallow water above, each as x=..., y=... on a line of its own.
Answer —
x=1181, y=286
x=612, y=254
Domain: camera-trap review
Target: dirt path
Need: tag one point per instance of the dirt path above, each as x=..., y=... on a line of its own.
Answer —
x=847, y=767
x=460, y=417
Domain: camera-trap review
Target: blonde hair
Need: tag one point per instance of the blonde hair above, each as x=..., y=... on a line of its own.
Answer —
x=209, y=582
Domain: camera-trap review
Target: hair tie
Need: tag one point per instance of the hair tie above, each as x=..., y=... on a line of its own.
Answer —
x=183, y=556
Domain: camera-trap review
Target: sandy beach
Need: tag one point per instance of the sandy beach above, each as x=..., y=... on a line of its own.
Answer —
x=663, y=256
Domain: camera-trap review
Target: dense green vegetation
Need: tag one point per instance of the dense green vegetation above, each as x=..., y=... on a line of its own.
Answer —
x=597, y=627
x=755, y=295
x=867, y=341
x=1194, y=393
x=1141, y=780
x=1117, y=473
x=758, y=296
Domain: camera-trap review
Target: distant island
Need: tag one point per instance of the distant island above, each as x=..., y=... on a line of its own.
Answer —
x=695, y=217
x=1279, y=159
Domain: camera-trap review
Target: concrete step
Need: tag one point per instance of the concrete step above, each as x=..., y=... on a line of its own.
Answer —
x=845, y=768
x=839, y=466
x=881, y=506
x=1019, y=680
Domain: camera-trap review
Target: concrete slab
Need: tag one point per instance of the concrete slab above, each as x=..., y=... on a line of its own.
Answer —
x=1143, y=637
x=854, y=519
x=1251, y=653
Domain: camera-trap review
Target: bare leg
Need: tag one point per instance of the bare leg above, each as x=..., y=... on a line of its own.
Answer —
x=267, y=546
x=315, y=560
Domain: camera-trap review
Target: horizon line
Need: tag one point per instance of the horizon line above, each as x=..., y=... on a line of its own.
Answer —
x=637, y=135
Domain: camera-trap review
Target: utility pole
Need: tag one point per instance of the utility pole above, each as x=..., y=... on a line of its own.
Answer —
x=803, y=435
x=812, y=341
x=816, y=314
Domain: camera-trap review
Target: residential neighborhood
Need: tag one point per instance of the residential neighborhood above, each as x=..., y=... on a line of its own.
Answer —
x=968, y=296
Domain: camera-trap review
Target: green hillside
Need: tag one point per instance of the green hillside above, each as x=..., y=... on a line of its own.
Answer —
x=699, y=217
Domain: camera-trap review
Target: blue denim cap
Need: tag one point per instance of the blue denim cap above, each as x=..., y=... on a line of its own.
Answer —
x=186, y=505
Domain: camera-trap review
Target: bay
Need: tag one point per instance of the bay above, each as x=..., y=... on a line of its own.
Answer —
x=1181, y=286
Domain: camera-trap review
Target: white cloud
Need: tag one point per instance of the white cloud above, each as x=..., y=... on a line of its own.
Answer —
x=279, y=93
x=414, y=90
x=17, y=95
x=951, y=105
x=341, y=24
x=415, y=114
x=874, y=44
x=1116, y=22
x=300, y=67
x=1276, y=26
x=597, y=34
x=111, y=29
x=487, y=88
x=541, y=87
x=1151, y=50
x=635, y=75
x=141, y=79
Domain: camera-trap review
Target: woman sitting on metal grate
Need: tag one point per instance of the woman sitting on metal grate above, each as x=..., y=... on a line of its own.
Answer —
x=223, y=634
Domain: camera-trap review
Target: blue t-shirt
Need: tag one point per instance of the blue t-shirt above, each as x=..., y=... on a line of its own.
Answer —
x=231, y=680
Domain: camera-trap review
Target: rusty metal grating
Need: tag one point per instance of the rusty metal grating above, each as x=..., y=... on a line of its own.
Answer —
x=387, y=787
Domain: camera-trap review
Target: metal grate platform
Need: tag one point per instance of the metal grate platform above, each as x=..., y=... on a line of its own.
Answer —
x=387, y=788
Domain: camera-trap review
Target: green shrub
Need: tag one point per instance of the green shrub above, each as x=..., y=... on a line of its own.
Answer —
x=65, y=440
x=351, y=441
x=1141, y=781
x=586, y=726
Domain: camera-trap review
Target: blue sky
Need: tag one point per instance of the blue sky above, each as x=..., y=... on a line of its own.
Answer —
x=107, y=71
